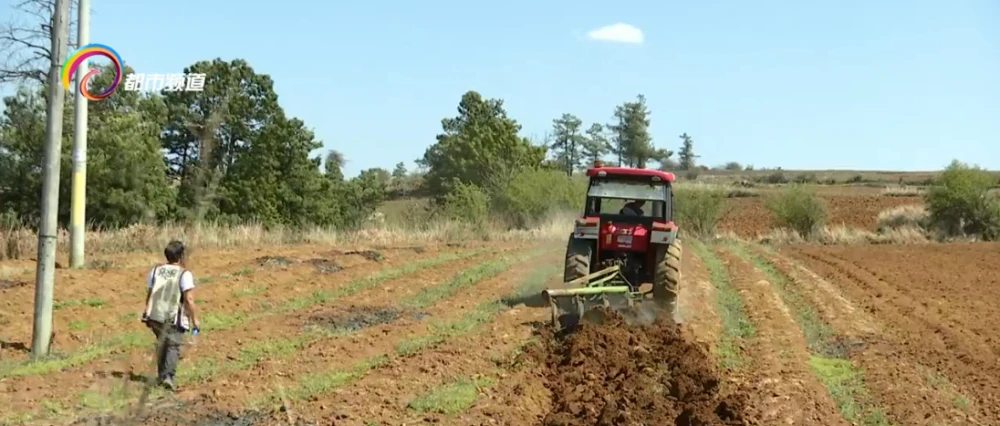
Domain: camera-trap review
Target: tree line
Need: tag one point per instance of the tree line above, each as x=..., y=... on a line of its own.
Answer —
x=227, y=154
x=626, y=140
x=231, y=154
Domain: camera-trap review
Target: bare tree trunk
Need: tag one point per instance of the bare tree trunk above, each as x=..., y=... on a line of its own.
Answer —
x=25, y=40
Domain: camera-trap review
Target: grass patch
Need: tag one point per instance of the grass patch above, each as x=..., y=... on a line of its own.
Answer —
x=215, y=321
x=52, y=407
x=960, y=402
x=315, y=384
x=78, y=325
x=729, y=305
x=250, y=354
x=846, y=387
x=249, y=291
x=452, y=398
x=93, y=302
x=16, y=419
x=57, y=362
x=941, y=384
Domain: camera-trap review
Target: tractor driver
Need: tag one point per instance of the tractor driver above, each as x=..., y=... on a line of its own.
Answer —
x=633, y=208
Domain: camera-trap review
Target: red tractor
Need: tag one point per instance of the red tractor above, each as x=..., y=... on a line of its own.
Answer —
x=625, y=243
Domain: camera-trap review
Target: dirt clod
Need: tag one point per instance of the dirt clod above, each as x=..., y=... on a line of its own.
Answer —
x=275, y=261
x=359, y=317
x=620, y=374
x=373, y=255
x=325, y=266
x=7, y=284
x=841, y=347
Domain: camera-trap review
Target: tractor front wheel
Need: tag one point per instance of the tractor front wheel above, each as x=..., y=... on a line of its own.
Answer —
x=578, y=253
x=667, y=277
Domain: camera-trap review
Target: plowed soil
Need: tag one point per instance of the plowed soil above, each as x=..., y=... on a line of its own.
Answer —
x=616, y=373
x=749, y=218
x=920, y=324
x=938, y=310
x=779, y=377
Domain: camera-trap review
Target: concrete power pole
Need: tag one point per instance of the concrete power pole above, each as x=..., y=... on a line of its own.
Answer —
x=45, y=271
x=78, y=214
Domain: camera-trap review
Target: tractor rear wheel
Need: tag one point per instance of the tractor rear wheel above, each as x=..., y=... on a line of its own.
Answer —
x=667, y=276
x=578, y=253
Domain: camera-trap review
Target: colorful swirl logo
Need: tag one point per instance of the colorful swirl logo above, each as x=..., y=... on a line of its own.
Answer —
x=82, y=54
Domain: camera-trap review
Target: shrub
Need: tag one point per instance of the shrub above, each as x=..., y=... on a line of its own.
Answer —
x=466, y=203
x=806, y=178
x=960, y=204
x=913, y=216
x=732, y=165
x=699, y=210
x=799, y=209
x=533, y=195
x=774, y=178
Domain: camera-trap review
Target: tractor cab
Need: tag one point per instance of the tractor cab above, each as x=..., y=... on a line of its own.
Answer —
x=625, y=239
x=627, y=205
x=622, y=234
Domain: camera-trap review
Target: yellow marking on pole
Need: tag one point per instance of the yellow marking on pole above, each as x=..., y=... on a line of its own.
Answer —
x=77, y=207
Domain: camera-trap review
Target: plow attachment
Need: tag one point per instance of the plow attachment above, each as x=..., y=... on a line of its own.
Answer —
x=606, y=287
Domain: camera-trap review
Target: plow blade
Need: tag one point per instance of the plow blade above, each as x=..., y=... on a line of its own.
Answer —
x=603, y=288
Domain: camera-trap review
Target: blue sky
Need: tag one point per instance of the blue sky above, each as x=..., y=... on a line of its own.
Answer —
x=889, y=84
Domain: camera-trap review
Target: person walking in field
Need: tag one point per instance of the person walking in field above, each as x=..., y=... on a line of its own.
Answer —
x=170, y=310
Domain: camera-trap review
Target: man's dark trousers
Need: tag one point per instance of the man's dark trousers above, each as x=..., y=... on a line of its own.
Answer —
x=168, y=348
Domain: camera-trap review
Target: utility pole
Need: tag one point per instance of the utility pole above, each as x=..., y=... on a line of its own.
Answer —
x=78, y=213
x=45, y=269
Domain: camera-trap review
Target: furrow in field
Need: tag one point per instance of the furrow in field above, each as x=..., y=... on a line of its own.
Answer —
x=72, y=381
x=92, y=304
x=784, y=388
x=365, y=318
x=951, y=355
x=384, y=394
x=736, y=329
x=696, y=301
x=220, y=304
x=323, y=365
x=373, y=303
x=889, y=375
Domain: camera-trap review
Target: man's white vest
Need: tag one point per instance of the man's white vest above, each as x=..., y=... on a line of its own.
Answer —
x=165, y=299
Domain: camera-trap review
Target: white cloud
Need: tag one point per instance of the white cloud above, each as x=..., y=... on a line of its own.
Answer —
x=618, y=33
